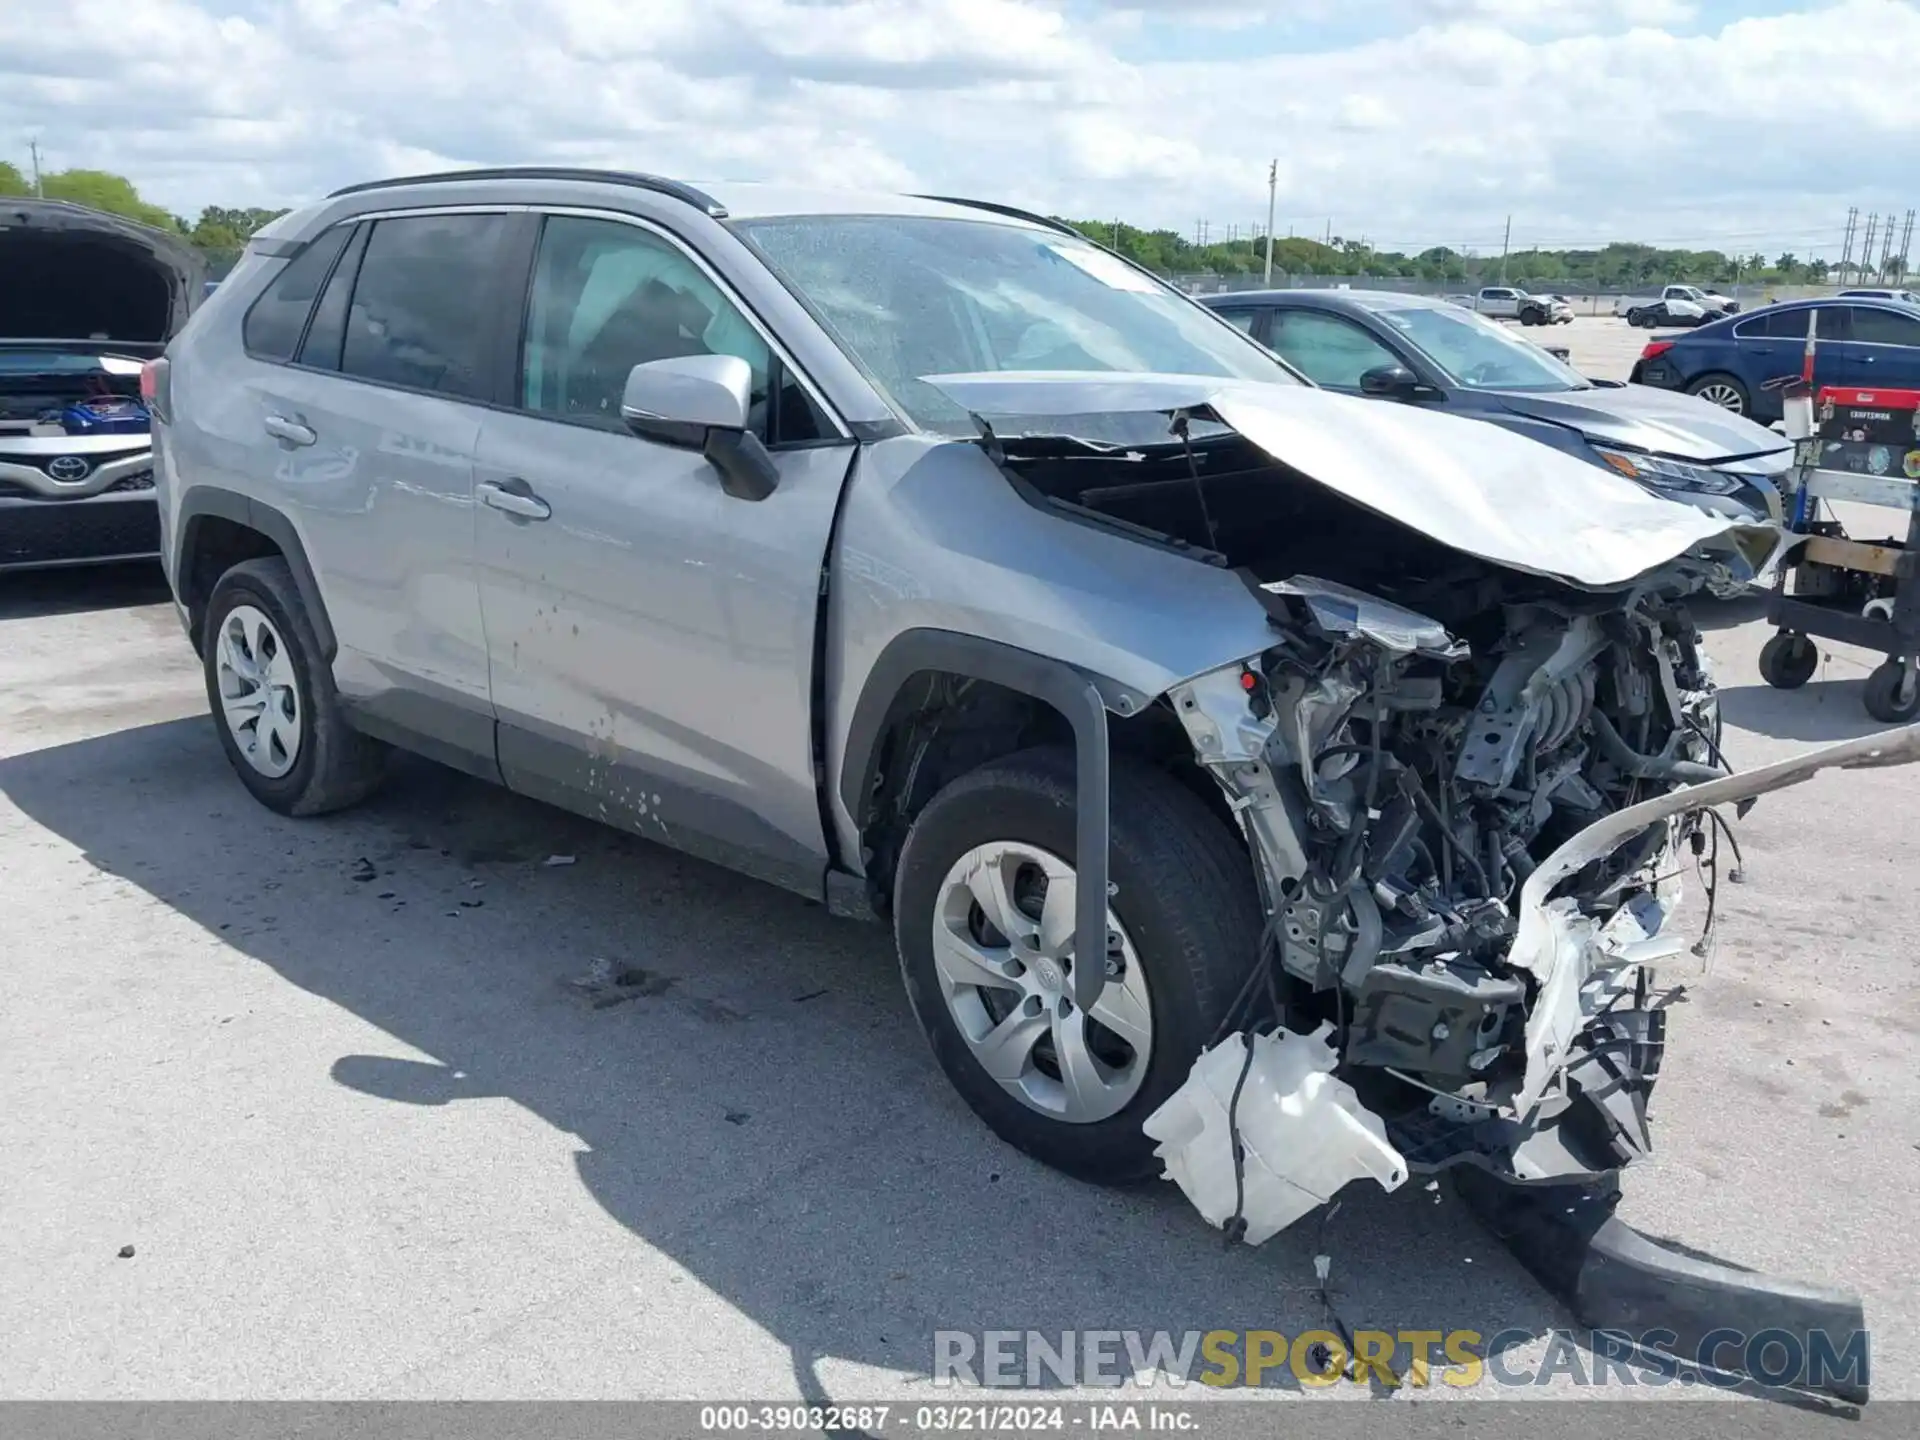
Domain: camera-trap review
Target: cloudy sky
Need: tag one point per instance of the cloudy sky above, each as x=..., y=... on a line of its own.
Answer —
x=1742, y=124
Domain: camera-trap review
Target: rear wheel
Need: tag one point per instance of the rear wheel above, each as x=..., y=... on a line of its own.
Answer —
x=1722, y=390
x=984, y=920
x=279, y=717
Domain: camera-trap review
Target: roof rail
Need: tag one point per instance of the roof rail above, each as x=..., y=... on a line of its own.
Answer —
x=1011, y=211
x=655, y=183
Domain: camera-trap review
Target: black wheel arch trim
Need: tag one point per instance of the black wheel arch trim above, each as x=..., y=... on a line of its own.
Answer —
x=201, y=502
x=1076, y=695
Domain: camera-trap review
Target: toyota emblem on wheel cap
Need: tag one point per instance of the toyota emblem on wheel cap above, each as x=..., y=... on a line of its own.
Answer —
x=68, y=468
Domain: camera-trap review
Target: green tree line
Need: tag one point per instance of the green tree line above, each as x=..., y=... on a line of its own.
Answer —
x=1621, y=265
x=218, y=229
x=222, y=231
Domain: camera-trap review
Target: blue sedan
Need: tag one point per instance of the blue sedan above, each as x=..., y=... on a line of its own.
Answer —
x=1422, y=351
x=1732, y=362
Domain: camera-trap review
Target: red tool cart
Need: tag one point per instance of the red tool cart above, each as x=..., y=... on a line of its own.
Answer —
x=1860, y=445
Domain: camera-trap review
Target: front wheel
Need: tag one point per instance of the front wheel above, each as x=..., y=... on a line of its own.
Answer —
x=1529, y=317
x=984, y=921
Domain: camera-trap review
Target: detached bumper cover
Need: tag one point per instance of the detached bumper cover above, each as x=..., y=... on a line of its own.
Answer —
x=1703, y=1311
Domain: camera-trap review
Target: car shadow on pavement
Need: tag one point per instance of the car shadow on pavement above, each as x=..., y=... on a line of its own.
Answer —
x=30, y=594
x=1822, y=713
x=750, y=1092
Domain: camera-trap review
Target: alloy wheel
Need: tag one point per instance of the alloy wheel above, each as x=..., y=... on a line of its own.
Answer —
x=1720, y=393
x=259, y=693
x=1003, y=948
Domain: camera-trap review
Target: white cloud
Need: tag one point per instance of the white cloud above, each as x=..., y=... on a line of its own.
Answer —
x=1574, y=17
x=1760, y=133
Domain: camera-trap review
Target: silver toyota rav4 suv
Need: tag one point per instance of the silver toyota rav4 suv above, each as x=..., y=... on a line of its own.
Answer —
x=924, y=558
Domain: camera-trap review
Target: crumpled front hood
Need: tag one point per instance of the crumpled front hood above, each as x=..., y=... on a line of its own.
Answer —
x=1471, y=486
x=1640, y=417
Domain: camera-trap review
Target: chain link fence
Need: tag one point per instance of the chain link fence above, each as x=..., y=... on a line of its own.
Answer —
x=1585, y=297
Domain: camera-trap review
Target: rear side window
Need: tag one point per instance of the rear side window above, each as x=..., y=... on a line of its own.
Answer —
x=421, y=315
x=328, y=329
x=1327, y=349
x=1778, y=325
x=279, y=317
x=1885, y=327
x=1240, y=319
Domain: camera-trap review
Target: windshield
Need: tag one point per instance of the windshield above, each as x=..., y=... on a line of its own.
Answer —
x=912, y=297
x=1480, y=354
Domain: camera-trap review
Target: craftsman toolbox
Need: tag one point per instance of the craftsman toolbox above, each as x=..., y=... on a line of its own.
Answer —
x=1869, y=431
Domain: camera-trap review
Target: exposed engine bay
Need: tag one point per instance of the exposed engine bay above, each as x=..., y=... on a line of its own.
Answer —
x=1426, y=729
x=1403, y=779
x=56, y=395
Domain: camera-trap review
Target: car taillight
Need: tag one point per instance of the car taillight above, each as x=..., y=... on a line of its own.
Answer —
x=154, y=388
x=1656, y=347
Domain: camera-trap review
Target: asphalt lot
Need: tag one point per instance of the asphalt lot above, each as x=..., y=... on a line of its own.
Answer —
x=368, y=1138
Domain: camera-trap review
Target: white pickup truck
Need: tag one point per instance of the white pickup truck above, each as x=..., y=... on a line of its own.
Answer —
x=1506, y=302
x=1675, y=305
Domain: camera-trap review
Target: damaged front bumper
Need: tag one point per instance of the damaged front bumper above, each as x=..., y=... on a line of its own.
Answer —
x=1541, y=1171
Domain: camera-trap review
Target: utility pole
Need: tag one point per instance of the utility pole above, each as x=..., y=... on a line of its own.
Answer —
x=1886, y=250
x=1906, y=251
x=1505, y=240
x=1866, y=250
x=1273, y=188
x=33, y=149
x=1846, y=245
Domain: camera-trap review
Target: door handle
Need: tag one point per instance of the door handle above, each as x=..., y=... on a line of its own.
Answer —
x=515, y=498
x=288, y=432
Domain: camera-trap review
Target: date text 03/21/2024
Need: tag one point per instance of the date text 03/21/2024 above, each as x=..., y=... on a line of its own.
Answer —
x=959, y=1418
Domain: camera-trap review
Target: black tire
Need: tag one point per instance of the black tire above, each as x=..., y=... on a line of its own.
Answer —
x=1637, y=318
x=1185, y=894
x=1733, y=383
x=1531, y=317
x=335, y=765
x=1788, y=661
x=1883, y=698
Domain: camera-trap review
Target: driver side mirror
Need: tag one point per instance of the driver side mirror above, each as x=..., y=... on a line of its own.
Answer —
x=1391, y=382
x=704, y=403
